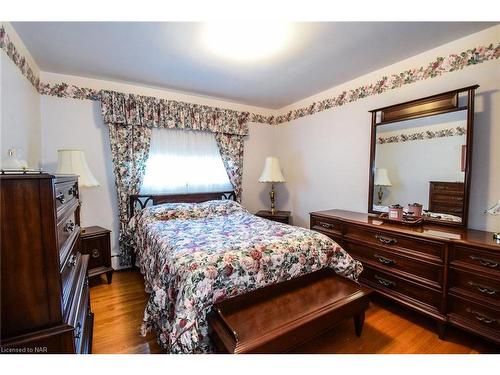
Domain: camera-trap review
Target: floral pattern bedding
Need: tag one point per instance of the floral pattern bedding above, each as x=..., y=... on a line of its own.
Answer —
x=193, y=255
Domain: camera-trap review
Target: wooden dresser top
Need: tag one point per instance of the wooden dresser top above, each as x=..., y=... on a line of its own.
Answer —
x=433, y=231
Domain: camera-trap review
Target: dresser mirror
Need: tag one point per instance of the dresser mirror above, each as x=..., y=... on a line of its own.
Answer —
x=420, y=158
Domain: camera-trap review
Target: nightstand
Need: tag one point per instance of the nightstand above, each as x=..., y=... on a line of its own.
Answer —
x=96, y=243
x=279, y=216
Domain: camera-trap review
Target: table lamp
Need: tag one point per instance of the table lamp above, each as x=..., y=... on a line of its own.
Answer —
x=73, y=162
x=381, y=180
x=272, y=173
x=495, y=210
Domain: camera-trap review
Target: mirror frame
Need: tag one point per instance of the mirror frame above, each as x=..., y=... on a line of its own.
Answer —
x=429, y=106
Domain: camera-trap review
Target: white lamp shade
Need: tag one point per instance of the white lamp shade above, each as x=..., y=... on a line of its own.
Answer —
x=73, y=162
x=382, y=177
x=272, y=171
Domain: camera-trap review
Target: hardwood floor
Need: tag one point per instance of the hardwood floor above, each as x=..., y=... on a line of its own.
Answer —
x=389, y=328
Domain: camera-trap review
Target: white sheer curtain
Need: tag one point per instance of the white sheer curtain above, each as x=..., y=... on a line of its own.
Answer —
x=182, y=161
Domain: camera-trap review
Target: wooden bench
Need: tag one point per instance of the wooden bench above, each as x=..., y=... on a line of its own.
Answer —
x=280, y=317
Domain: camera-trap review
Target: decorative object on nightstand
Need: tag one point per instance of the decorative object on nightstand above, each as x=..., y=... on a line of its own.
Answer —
x=74, y=162
x=381, y=180
x=272, y=173
x=96, y=243
x=279, y=216
x=12, y=162
x=495, y=210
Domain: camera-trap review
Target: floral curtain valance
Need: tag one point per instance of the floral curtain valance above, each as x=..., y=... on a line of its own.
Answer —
x=130, y=119
x=138, y=110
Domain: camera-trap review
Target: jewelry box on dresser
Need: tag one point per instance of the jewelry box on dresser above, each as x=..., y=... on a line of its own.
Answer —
x=434, y=265
x=45, y=304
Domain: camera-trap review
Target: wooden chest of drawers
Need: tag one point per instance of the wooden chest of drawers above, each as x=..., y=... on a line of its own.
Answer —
x=446, y=197
x=45, y=295
x=449, y=274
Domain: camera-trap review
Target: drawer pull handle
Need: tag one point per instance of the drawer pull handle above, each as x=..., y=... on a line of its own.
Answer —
x=69, y=227
x=384, y=282
x=60, y=197
x=327, y=226
x=386, y=240
x=72, y=260
x=485, y=262
x=482, y=288
x=78, y=330
x=481, y=317
x=95, y=253
x=385, y=260
x=73, y=191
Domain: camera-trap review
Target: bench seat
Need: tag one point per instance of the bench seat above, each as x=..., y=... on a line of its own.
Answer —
x=280, y=317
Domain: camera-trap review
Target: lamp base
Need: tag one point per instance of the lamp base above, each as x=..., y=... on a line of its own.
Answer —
x=272, y=195
x=380, y=194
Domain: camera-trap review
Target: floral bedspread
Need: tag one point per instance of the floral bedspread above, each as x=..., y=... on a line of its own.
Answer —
x=193, y=255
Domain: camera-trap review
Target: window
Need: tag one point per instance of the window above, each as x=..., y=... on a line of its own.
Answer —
x=184, y=162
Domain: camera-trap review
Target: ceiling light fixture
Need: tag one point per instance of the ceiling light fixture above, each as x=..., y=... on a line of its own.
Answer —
x=246, y=40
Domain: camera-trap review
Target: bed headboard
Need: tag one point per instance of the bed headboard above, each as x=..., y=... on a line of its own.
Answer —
x=140, y=201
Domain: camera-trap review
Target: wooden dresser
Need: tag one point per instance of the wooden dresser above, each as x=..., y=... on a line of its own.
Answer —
x=446, y=197
x=45, y=304
x=450, y=274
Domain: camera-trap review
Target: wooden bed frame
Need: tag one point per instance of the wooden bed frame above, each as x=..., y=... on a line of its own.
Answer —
x=140, y=201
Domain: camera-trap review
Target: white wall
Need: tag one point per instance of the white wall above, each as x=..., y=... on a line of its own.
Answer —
x=325, y=157
x=20, y=110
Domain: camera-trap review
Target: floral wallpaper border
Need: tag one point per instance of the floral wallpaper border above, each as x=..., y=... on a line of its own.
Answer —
x=20, y=61
x=436, y=68
x=418, y=136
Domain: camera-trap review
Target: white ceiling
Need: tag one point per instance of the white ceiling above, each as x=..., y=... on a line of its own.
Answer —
x=172, y=55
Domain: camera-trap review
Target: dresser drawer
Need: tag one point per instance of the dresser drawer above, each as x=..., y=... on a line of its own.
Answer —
x=400, y=288
x=78, y=309
x=481, y=287
x=475, y=259
x=81, y=326
x=86, y=344
x=98, y=249
x=397, y=261
x=67, y=236
x=446, y=208
x=447, y=187
x=328, y=226
x=67, y=228
x=69, y=274
x=393, y=242
x=475, y=317
x=449, y=198
x=66, y=193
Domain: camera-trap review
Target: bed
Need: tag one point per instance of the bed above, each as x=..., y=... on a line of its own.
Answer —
x=198, y=249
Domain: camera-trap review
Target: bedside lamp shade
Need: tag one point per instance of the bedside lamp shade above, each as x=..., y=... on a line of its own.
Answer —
x=73, y=162
x=382, y=177
x=272, y=171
